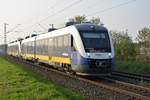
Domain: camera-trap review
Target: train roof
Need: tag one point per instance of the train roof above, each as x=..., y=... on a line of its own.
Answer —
x=68, y=30
x=13, y=43
x=89, y=27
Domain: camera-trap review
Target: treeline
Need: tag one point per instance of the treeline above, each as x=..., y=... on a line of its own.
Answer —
x=125, y=48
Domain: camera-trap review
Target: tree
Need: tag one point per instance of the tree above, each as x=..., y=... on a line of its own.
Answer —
x=123, y=44
x=95, y=20
x=144, y=42
x=78, y=19
x=83, y=19
x=144, y=39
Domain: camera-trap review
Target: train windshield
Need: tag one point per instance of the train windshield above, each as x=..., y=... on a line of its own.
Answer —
x=96, y=41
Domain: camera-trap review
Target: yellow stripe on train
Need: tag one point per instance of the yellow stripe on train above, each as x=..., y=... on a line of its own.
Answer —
x=41, y=57
x=61, y=60
x=64, y=60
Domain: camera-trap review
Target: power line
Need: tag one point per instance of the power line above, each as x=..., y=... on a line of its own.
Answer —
x=13, y=28
x=54, y=5
x=75, y=3
x=60, y=11
x=92, y=6
x=113, y=7
x=42, y=27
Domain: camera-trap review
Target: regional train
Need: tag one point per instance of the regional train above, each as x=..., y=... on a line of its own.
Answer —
x=85, y=49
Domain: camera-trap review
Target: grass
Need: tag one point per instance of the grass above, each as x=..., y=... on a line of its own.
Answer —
x=133, y=67
x=18, y=83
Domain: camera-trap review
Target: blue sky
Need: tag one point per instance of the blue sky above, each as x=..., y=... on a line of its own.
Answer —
x=29, y=13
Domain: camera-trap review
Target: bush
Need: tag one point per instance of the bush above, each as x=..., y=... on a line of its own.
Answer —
x=133, y=66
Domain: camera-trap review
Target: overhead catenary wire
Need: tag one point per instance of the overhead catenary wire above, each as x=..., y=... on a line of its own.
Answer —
x=58, y=12
x=53, y=6
x=110, y=8
x=89, y=15
x=42, y=27
x=62, y=10
x=104, y=10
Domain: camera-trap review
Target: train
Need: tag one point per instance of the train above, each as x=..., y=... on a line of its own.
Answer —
x=84, y=49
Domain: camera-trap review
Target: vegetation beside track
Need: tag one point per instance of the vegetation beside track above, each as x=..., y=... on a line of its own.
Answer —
x=18, y=83
x=133, y=67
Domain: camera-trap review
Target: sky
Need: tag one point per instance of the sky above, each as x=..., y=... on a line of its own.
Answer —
x=26, y=17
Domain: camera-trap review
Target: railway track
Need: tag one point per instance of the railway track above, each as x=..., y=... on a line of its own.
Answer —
x=138, y=77
x=142, y=80
x=143, y=91
x=92, y=89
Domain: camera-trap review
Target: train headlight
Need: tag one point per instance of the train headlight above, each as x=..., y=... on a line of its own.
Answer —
x=88, y=54
x=109, y=54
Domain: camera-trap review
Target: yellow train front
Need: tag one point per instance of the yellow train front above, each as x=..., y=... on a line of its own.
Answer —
x=85, y=49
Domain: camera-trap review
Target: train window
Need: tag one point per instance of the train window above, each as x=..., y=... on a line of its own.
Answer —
x=60, y=42
x=26, y=47
x=95, y=36
x=42, y=47
x=37, y=47
x=22, y=49
x=66, y=42
x=29, y=47
x=45, y=47
x=55, y=43
x=50, y=45
x=96, y=41
x=32, y=47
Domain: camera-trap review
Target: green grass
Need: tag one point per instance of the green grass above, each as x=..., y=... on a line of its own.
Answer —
x=133, y=67
x=18, y=83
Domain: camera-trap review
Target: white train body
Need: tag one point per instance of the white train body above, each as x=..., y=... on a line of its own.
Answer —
x=14, y=49
x=86, y=49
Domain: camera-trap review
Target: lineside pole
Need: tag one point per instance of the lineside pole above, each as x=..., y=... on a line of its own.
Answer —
x=5, y=36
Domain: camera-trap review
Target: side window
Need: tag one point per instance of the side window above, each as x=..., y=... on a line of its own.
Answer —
x=55, y=43
x=60, y=42
x=40, y=48
x=44, y=47
x=37, y=47
x=32, y=47
x=50, y=45
x=26, y=48
x=66, y=41
x=22, y=48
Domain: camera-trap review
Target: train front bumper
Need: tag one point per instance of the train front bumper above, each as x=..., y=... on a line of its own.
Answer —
x=93, y=67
